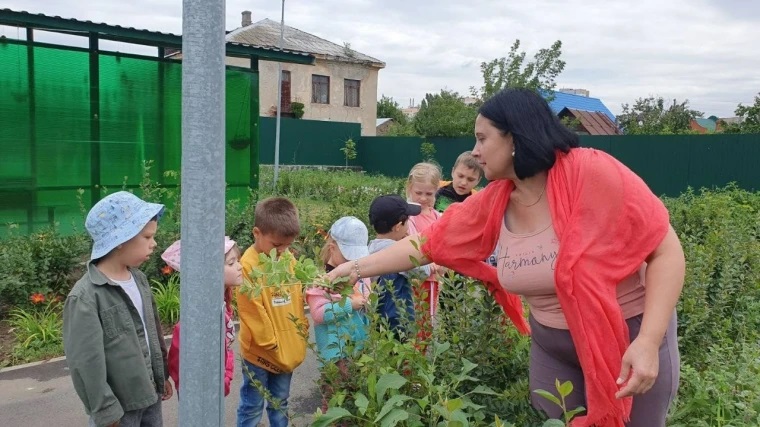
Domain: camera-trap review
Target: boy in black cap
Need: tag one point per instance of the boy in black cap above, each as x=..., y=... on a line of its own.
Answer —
x=388, y=215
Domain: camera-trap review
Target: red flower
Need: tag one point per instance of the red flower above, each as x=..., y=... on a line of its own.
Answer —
x=37, y=298
x=167, y=270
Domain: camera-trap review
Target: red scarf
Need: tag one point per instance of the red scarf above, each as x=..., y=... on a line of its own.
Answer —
x=607, y=221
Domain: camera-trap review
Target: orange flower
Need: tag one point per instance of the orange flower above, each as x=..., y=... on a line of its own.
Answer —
x=322, y=233
x=167, y=270
x=37, y=298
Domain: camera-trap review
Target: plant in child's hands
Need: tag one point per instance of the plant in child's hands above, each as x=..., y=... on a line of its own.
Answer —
x=277, y=272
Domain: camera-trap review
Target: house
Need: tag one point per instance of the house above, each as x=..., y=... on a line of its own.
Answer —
x=593, y=116
x=589, y=122
x=341, y=86
x=563, y=100
x=382, y=125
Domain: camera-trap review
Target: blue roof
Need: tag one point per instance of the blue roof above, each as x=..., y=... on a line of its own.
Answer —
x=708, y=124
x=577, y=102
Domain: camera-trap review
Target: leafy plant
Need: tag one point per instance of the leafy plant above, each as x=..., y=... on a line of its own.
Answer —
x=563, y=390
x=349, y=150
x=427, y=149
x=297, y=108
x=166, y=296
x=37, y=329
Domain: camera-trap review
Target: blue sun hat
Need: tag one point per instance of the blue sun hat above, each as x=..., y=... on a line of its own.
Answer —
x=351, y=236
x=117, y=218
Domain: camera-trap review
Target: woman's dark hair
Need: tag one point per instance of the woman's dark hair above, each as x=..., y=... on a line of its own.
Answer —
x=537, y=133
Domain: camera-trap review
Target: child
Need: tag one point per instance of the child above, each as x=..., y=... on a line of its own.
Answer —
x=270, y=340
x=389, y=217
x=340, y=322
x=233, y=277
x=465, y=175
x=421, y=186
x=112, y=336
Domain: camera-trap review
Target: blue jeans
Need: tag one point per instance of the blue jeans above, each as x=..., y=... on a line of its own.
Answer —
x=251, y=404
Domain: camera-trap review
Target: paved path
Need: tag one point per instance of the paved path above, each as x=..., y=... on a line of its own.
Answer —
x=42, y=395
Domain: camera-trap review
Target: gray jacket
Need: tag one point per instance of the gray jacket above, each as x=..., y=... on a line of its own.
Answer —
x=376, y=245
x=106, y=350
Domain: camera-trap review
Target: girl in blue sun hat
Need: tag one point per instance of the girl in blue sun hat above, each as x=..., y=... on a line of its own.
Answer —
x=111, y=331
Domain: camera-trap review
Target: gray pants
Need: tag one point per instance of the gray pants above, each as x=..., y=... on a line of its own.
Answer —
x=553, y=356
x=147, y=417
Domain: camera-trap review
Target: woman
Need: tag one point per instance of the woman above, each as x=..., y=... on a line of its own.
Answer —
x=578, y=236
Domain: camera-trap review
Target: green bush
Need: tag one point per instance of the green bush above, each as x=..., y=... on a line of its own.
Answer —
x=44, y=262
x=719, y=310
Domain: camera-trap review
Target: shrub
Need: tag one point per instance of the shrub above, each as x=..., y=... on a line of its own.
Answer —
x=44, y=262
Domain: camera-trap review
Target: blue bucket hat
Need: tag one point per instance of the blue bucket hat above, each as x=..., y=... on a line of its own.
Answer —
x=117, y=218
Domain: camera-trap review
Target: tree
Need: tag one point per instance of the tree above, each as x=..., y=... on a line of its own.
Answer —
x=388, y=108
x=749, y=119
x=651, y=116
x=445, y=114
x=512, y=71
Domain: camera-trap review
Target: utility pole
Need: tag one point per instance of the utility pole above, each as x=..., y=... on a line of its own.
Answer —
x=202, y=230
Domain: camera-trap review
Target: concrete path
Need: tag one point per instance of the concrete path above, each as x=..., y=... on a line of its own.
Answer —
x=43, y=395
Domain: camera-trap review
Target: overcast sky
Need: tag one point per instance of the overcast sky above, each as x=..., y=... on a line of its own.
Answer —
x=705, y=51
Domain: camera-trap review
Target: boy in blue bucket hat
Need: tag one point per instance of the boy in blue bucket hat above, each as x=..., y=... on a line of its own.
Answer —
x=111, y=331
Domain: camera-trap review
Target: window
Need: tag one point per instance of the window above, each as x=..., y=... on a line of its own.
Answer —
x=320, y=89
x=285, y=104
x=351, y=92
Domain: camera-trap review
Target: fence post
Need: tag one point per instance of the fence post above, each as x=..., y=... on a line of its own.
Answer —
x=203, y=191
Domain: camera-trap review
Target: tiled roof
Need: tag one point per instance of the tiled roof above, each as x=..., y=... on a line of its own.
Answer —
x=267, y=33
x=595, y=122
x=577, y=102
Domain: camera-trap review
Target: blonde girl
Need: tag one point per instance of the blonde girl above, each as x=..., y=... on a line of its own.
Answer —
x=421, y=185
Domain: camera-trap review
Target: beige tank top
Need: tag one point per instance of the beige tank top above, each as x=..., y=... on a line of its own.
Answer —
x=526, y=264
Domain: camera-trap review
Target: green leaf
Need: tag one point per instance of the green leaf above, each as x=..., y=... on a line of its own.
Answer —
x=546, y=395
x=570, y=414
x=565, y=388
x=553, y=423
x=394, y=417
x=391, y=403
x=481, y=389
x=454, y=404
x=392, y=380
x=328, y=418
x=361, y=402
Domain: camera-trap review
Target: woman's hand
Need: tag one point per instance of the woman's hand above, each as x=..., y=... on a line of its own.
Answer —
x=344, y=270
x=641, y=362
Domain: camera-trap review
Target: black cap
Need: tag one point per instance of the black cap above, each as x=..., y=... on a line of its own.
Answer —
x=386, y=211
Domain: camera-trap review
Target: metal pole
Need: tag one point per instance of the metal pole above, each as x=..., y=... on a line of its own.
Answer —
x=203, y=190
x=279, y=102
x=95, y=172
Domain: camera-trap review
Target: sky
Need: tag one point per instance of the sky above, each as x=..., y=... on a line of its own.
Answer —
x=702, y=50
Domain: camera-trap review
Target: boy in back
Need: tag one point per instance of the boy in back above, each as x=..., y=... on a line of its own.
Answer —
x=112, y=336
x=389, y=216
x=270, y=342
x=465, y=175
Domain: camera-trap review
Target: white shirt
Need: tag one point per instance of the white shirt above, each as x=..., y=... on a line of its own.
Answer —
x=130, y=287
